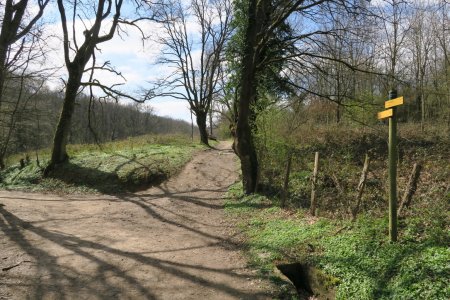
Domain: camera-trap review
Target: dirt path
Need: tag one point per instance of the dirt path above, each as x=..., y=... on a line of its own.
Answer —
x=169, y=242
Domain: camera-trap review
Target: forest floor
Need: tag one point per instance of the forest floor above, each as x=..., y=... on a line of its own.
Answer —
x=172, y=241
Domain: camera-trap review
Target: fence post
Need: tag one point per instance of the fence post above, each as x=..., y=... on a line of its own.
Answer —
x=314, y=184
x=286, y=180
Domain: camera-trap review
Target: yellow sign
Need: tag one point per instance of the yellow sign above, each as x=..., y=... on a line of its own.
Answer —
x=393, y=102
x=385, y=114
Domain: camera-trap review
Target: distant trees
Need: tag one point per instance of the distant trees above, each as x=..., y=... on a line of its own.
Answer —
x=19, y=48
x=193, y=35
x=110, y=121
x=39, y=112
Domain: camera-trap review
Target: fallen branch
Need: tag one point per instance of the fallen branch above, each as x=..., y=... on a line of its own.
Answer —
x=360, y=188
x=410, y=188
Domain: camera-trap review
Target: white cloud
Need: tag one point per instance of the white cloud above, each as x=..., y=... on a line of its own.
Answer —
x=381, y=3
x=176, y=109
x=125, y=53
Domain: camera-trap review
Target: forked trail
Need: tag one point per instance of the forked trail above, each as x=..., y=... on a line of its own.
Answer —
x=169, y=242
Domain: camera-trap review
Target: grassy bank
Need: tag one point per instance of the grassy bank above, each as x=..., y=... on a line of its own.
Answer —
x=113, y=167
x=361, y=261
x=358, y=254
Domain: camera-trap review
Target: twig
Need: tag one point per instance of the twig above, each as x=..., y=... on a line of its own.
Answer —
x=13, y=266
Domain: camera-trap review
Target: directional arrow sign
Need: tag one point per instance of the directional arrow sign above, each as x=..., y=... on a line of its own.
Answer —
x=385, y=114
x=394, y=102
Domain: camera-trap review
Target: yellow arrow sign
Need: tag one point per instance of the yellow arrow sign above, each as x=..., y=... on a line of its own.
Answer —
x=385, y=114
x=394, y=102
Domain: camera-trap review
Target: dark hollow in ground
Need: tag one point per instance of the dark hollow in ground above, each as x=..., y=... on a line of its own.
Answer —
x=310, y=280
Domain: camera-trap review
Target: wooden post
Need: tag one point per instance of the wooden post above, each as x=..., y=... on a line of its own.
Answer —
x=22, y=163
x=314, y=184
x=393, y=171
x=286, y=180
x=192, y=127
x=360, y=188
x=391, y=113
x=410, y=188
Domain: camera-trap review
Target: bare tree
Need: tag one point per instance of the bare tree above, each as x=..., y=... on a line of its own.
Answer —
x=393, y=35
x=421, y=44
x=20, y=46
x=100, y=19
x=194, y=57
x=15, y=26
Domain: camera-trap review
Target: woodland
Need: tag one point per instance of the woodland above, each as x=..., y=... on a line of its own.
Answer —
x=296, y=85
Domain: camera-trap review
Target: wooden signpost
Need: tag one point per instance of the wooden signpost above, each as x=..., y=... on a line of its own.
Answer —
x=390, y=113
x=385, y=114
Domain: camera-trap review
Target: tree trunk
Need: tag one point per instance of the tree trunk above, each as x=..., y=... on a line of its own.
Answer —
x=243, y=142
x=192, y=127
x=4, y=46
x=59, y=152
x=201, y=123
x=245, y=148
x=12, y=16
x=210, y=123
x=3, y=50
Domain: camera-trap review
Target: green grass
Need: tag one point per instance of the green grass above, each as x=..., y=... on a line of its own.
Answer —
x=358, y=254
x=111, y=168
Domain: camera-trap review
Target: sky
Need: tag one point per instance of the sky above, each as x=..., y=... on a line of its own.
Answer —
x=127, y=53
x=135, y=60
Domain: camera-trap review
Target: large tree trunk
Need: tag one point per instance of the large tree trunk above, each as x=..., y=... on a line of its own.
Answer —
x=59, y=152
x=3, y=50
x=243, y=142
x=245, y=149
x=5, y=34
x=201, y=123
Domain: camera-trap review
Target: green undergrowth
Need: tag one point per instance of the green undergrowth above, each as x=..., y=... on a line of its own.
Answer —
x=365, y=264
x=111, y=168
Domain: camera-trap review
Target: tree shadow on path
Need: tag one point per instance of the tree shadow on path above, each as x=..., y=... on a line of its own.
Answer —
x=62, y=281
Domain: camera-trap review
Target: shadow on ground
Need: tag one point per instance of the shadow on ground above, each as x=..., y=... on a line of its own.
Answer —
x=139, y=178
x=61, y=281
